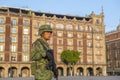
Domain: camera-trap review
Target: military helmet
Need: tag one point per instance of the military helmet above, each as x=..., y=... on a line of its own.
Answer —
x=44, y=28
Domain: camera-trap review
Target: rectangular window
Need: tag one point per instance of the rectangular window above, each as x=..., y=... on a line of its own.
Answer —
x=51, y=24
x=1, y=57
x=25, y=31
x=25, y=39
x=13, y=57
x=60, y=34
x=79, y=43
x=13, y=38
x=81, y=60
x=69, y=48
x=59, y=50
x=89, y=44
x=79, y=35
x=59, y=42
x=25, y=58
x=89, y=51
x=98, y=44
x=98, y=37
x=25, y=49
x=99, y=59
x=80, y=28
x=13, y=48
x=69, y=34
x=89, y=59
x=1, y=38
x=97, y=21
x=13, y=30
x=69, y=42
x=2, y=20
x=14, y=22
x=38, y=24
x=98, y=52
x=69, y=27
x=1, y=47
x=26, y=23
x=1, y=29
x=59, y=26
x=59, y=59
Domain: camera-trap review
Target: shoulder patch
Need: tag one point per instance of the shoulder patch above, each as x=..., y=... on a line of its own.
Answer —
x=34, y=45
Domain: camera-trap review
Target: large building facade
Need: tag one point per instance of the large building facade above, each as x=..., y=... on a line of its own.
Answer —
x=113, y=51
x=19, y=29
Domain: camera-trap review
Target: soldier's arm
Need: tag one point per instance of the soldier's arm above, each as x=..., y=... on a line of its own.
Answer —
x=32, y=54
x=42, y=52
x=37, y=52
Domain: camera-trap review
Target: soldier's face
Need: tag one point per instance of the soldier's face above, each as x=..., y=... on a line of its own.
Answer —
x=47, y=35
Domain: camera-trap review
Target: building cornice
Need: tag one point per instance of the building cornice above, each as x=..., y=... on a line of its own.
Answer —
x=113, y=40
x=38, y=13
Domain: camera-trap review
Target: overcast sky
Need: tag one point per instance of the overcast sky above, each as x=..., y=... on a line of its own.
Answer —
x=73, y=7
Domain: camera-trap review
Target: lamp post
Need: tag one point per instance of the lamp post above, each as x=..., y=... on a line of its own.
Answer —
x=113, y=71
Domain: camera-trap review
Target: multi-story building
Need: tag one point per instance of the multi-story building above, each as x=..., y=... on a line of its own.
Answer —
x=19, y=29
x=113, y=51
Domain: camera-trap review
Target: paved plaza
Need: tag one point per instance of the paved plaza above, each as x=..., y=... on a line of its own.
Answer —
x=72, y=78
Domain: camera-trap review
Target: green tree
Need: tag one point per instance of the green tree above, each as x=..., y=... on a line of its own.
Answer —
x=70, y=58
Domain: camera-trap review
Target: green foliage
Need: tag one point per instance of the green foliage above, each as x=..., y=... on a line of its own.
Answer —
x=70, y=56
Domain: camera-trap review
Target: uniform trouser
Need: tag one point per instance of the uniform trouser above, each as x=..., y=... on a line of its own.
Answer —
x=43, y=74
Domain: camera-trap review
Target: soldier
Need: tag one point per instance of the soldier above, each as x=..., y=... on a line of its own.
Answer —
x=38, y=55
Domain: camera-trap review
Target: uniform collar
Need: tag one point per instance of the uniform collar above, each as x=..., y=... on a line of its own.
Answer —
x=43, y=41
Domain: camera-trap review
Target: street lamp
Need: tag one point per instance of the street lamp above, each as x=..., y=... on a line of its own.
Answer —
x=113, y=71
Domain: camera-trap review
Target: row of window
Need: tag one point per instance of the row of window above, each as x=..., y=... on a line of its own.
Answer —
x=79, y=35
x=70, y=35
x=113, y=45
x=14, y=57
x=70, y=42
x=71, y=27
x=14, y=22
x=14, y=39
x=26, y=48
x=97, y=61
x=89, y=51
x=14, y=30
x=14, y=48
x=89, y=59
x=115, y=64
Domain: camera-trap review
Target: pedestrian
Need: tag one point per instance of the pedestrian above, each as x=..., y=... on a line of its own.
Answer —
x=40, y=63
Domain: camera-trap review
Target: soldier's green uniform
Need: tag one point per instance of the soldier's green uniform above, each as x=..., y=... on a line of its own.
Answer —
x=38, y=53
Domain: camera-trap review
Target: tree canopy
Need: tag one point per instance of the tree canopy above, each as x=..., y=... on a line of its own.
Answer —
x=70, y=56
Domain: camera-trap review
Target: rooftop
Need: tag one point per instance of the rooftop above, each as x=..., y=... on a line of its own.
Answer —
x=38, y=13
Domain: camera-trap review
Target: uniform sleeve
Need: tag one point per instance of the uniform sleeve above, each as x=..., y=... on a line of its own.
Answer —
x=37, y=52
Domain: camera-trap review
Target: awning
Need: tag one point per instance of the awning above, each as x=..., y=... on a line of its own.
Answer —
x=113, y=70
